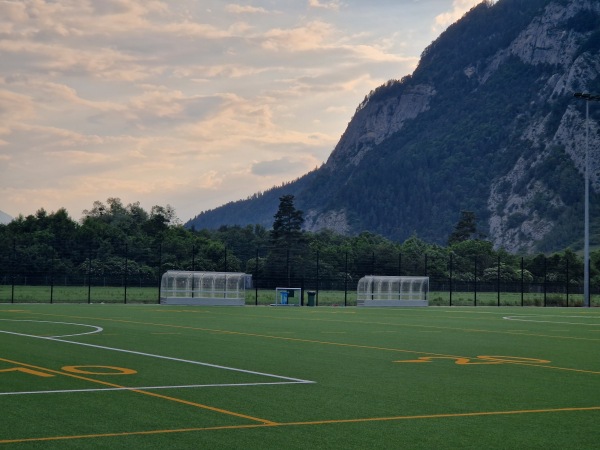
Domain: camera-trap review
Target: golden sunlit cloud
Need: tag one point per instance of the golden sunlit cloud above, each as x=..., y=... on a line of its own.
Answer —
x=333, y=5
x=178, y=103
x=459, y=8
x=245, y=9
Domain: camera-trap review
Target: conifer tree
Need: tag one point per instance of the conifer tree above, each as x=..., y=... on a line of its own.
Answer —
x=465, y=228
x=287, y=227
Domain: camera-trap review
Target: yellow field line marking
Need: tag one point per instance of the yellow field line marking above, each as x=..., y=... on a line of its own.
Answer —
x=468, y=330
x=442, y=416
x=569, y=369
x=314, y=341
x=309, y=423
x=129, y=433
x=151, y=394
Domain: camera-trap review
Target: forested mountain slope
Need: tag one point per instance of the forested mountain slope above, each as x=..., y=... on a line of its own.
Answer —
x=486, y=123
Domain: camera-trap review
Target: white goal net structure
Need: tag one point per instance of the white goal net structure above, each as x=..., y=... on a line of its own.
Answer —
x=179, y=287
x=377, y=290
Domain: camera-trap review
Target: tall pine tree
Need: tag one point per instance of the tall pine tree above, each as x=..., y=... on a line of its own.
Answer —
x=287, y=227
x=288, y=246
x=465, y=229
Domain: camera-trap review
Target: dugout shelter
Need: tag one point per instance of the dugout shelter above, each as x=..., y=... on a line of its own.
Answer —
x=180, y=287
x=379, y=290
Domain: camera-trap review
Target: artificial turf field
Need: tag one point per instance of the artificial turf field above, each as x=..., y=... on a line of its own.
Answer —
x=151, y=376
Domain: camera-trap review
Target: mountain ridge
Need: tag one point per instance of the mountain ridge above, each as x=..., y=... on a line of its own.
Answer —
x=5, y=218
x=485, y=123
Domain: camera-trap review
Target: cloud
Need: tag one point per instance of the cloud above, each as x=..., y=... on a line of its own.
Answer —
x=15, y=107
x=333, y=5
x=459, y=8
x=245, y=9
x=282, y=166
x=378, y=54
x=179, y=103
x=314, y=36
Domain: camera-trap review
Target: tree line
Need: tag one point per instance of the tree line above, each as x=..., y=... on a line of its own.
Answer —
x=113, y=238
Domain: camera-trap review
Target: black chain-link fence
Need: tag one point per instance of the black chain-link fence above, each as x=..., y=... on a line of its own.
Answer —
x=83, y=271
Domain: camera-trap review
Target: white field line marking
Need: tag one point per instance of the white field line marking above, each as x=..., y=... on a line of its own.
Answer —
x=150, y=388
x=169, y=358
x=520, y=319
x=96, y=329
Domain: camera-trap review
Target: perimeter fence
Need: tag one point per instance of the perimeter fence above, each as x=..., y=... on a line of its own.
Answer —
x=130, y=272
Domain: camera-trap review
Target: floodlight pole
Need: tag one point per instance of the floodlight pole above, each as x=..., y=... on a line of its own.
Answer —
x=586, y=246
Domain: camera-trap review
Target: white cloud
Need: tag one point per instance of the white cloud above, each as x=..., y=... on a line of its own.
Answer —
x=15, y=107
x=245, y=9
x=191, y=103
x=281, y=166
x=333, y=5
x=314, y=35
x=459, y=8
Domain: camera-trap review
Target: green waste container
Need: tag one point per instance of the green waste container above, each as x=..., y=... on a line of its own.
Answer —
x=311, y=298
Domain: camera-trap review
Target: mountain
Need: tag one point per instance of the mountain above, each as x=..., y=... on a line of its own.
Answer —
x=5, y=218
x=486, y=123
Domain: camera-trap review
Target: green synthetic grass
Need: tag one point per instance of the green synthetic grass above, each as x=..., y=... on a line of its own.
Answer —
x=277, y=377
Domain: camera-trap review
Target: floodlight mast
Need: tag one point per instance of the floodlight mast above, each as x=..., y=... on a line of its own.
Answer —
x=586, y=246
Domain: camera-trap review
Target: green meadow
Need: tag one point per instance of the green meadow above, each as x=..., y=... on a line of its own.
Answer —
x=150, y=295
x=152, y=376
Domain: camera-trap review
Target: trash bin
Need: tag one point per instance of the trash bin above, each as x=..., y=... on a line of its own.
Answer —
x=311, y=298
x=284, y=297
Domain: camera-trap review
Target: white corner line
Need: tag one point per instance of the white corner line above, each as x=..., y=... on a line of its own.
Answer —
x=152, y=388
x=169, y=358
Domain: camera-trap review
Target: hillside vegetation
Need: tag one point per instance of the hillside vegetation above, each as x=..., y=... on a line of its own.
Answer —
x=486, y=123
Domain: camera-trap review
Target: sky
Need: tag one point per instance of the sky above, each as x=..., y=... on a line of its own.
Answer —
x=189, y=103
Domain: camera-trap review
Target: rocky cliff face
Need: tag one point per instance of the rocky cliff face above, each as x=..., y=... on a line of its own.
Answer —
x=549, y=40
x=486, y=123
x=375, y=121
x=5, y=218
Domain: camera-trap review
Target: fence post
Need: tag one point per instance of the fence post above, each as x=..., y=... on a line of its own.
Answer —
x=545, y=278
x=256, y=279
x=14, y=271
x=498, y=280
x=450, y=281
x=400, y=264
x=89, y=275
x=317, y=296
x=567, y=283
x=373, y=263
x=287, y=266
x=346, y=281
x=522, y=279
x=52, y=276
x=126, y=273
x=475, y=283
x=159, y=277
x=193, y=268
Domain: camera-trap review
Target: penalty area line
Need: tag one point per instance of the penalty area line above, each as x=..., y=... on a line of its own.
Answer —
x=168, y=358
x=151, y=388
